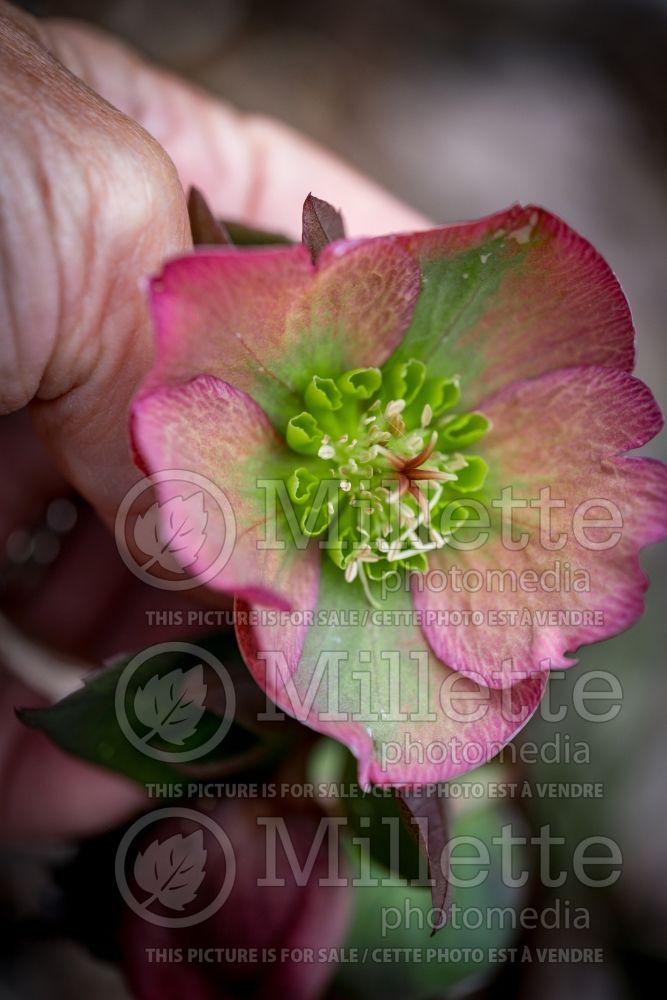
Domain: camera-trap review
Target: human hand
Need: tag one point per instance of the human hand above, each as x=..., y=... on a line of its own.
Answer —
x=90, y=205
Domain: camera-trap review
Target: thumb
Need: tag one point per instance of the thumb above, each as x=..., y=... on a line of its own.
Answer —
x=89, y=205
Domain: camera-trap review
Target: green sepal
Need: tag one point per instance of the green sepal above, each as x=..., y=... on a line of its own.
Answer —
x=404, y=380
x=346, y=539
x=361, y=383
x=322, y=394
x=314, y=521
x=442, y=394
x=438, y=393
x=303, y=434
x=473, y=476
x=463, y=430
x=301, y=485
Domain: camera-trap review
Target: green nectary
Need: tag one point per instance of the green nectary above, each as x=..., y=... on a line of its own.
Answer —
x=383, y=471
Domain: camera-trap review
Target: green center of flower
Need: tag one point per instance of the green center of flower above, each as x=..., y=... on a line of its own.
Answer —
x=383, y=470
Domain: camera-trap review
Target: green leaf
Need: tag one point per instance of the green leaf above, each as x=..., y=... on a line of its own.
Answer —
x=209, y=231
x=375, y=817
x=406, y=831
x=168, y=706
x=86, y=724
x=463, y=950
x=242, y=235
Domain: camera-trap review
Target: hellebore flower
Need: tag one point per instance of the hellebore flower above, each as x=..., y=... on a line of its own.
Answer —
x=276, y=909
x=422, y=437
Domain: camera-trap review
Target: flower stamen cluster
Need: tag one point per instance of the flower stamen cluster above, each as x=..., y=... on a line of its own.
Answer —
x=383, y=455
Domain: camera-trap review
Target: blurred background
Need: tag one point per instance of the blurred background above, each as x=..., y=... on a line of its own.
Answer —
x=460, y=107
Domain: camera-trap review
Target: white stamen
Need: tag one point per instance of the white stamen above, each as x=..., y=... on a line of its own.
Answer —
x=414, y=441
x=394, y=408
x=418, y=548
x=455, y=462
x=364, y=582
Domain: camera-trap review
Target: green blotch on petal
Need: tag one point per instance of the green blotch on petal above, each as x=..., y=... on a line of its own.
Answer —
x=303, y=434
x=464, y=430
x=457, y=289
x=361, y=383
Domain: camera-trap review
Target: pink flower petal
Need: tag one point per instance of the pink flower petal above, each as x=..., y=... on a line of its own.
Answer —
x=208, y=427
x=369, y=669
x=266, y=320
x=356, y=311
x=515, y=295
x=562, y=432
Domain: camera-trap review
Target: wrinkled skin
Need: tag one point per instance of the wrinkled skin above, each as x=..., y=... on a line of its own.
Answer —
x=91, y=204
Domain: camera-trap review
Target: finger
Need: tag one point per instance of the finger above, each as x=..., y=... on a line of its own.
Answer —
x=89, y=204
x=115, y=212
x=249, y=166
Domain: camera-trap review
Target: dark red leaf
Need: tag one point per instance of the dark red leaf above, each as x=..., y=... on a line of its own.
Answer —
x=322, y=224
x=206, y=229
x=425, y=814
